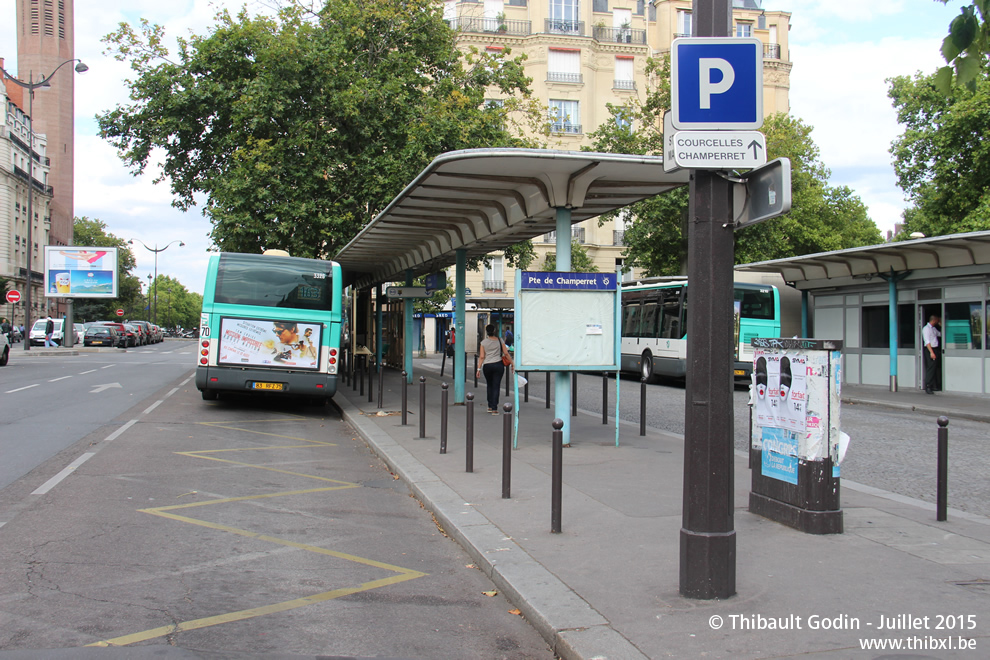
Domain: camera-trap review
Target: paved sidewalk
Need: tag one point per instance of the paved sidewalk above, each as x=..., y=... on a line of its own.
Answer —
x=608, y=586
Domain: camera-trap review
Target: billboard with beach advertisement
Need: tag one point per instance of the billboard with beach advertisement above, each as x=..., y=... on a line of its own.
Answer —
x=80, y=272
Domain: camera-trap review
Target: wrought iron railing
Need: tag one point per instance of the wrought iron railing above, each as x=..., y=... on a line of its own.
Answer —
x=771, y=51
x=564, y=26
x=493, y=285
x=619, y=35
x=624, y=84
x=566, y=127
x=558, y=76
x=491, y=26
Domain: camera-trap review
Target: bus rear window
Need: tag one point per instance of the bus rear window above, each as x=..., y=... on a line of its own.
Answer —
x=270, y=281
x=756, y=303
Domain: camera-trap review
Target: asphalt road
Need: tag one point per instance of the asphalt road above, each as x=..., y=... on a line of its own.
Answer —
x=235, y=527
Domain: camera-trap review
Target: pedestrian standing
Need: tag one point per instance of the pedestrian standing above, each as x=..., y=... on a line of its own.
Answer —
x=931, y=353
x=493, y=358
x=49, y=331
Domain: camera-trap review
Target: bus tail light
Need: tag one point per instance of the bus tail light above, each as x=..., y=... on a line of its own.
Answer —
x=202, y=361
x=206, y=343
x=204, y=352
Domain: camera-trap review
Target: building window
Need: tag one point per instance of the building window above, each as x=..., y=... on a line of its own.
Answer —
x=494, y=275
x=600, y=6
x=683, y=23
x=564, y=17
x=744, y=29
x=565, y=116
x=963, y=325
x=875, y=326
x=624, y=77
x=564, y=66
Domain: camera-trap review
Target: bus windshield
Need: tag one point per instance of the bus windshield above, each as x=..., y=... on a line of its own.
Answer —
x=275, y=282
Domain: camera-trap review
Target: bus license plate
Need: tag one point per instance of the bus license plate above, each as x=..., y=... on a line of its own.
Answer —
x=740, y=372
x=268, y=386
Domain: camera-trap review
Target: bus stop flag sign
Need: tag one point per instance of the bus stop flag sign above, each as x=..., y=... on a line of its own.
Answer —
x=717, y=83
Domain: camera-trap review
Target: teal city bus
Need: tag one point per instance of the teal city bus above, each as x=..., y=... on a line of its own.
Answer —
x=271, y=324
x=654, y=326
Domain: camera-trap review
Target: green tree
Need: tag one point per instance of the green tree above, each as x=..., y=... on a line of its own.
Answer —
x=580, y=261
x=87, y=232
x=941, y=160
x=299, y=128
x=822, y=217
x=965, y=48
x=177, y=307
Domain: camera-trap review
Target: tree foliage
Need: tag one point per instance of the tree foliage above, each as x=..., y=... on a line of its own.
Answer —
x=942, y=159
x=93, y=232
x=581, y=262
x=965, y=48
x=299, y=128
x=822, y=217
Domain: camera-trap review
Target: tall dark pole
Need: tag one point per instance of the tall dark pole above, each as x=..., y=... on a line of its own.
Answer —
x=708, y=540
x=156, y=250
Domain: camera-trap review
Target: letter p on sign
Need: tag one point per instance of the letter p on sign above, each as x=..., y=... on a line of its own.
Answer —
x=717, y=83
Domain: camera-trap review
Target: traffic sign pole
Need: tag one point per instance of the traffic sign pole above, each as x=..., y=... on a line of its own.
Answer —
x=708, y=539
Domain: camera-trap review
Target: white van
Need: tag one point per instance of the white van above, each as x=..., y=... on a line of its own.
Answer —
x=37, y=333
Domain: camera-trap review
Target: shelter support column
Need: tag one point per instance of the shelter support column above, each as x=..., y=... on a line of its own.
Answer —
x=379, y=302
x=562, y=379
x=407, y=340
x=460, y=342
x=892, y=280
x=804, y=315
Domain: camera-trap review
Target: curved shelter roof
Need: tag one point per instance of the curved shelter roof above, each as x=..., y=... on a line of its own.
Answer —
x=953, y=250
x=481, y=200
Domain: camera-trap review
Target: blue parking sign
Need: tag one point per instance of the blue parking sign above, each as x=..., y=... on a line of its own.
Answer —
x=717, y=83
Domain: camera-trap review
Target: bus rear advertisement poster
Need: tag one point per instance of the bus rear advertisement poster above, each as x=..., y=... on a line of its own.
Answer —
x=267, y=343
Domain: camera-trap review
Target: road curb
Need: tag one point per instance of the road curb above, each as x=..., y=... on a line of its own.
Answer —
x=569, y=624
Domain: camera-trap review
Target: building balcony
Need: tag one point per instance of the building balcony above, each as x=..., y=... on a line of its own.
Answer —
x=491, y=26
x=624, y=84
x=771, y=51
x=561, y=26
x=619, y=35
x=577, y=234
x=566, y=127
x=493, y=286
x=557, y=76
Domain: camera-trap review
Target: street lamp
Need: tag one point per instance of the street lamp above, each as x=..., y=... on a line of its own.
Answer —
x=156, y=250
x=30, y=85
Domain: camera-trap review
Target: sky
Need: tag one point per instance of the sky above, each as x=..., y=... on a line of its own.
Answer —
x=842, y=51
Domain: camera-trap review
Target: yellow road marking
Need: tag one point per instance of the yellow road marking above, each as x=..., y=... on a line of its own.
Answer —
x=402, y=574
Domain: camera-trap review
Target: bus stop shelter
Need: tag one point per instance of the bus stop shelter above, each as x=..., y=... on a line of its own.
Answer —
x=470, y=203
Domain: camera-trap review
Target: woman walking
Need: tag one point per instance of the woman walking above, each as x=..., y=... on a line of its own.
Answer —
x=493, y=357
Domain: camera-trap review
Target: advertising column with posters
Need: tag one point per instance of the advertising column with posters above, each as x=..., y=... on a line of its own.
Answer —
x=794, y=450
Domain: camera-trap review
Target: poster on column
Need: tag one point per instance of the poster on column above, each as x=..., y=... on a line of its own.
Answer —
x=781, y=389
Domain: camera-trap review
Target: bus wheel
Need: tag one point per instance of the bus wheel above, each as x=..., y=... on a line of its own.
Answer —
x=646, y=367
x=209, y=395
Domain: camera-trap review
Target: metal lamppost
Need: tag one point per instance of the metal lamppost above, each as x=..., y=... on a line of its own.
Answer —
x=30, y=85
x=156, y=250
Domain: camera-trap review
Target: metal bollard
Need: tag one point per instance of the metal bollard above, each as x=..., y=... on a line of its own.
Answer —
x=361, y=380
x=469, y=434
x=557, y=472
x=381, y=385
x=371, y=371
x=475, y=371
x=422, y=406
x=573, y=394
x=642, y=407
x=405, y=398
x=506, y=449
x=604, y=397
x=943, y=469
x=526, y=388
x=548, y=390
x=443, y=418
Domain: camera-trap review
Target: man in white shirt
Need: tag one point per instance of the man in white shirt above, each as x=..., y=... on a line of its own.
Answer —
x=931, y=335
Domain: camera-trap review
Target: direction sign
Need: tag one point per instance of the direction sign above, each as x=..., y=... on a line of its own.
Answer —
x=13, y=296
x=406, y=292
x=716, y=83
x=765, y=194
x=719, y=150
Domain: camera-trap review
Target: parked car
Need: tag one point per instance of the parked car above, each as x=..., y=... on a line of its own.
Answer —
x=101, y=335
x=131, y=333
x=145, y=328
x=4, y=350
x=37, y=334
x=120, y=331
x=80, y=333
